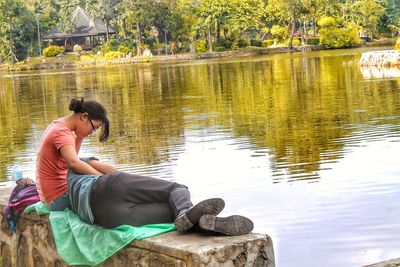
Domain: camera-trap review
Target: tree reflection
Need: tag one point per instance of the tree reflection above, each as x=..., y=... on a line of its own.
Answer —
x=298, y=106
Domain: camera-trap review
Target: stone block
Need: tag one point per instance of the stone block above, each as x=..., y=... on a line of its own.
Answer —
x=33, y=245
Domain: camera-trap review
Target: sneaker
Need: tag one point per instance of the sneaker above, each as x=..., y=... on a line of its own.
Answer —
x=209, y=206
x=232, y=225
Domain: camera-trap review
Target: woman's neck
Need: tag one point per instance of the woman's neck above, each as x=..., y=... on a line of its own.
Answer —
x=70, y=121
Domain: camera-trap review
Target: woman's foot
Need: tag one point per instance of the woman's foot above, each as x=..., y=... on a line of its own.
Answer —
x=191, y=217
x=232, y=225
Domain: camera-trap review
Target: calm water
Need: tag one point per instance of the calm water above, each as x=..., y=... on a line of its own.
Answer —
x=305, y=144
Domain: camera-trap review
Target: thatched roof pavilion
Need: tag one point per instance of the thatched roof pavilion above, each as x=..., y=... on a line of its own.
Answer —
x=87, y=32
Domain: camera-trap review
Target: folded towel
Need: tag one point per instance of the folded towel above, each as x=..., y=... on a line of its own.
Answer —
x=79, y=243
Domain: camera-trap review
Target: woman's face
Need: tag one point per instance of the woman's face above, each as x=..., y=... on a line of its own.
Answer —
x=87, y=126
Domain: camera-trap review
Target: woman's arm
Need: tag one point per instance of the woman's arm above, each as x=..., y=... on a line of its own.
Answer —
x=78, y=166
x=102, y=167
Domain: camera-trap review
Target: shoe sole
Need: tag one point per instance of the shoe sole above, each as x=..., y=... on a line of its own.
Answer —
x=232, y=225
x=211, y=206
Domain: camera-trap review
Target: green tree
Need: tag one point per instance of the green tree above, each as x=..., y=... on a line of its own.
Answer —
x=64, y=20
x=285, y=13
x=211, y=13
x=367, y=14
x=245, y=16
x=337, y=33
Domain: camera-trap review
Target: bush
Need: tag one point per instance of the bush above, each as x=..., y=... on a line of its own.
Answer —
x=339, y=37
x=313, y=41
x=242, y=42
x=221, y=42
x=113, y=55
x=77, y=48
x=53, y=51
x=397, y=45
x=125, y=49
x=255, y=42
x=267, y=43
x=295, y=41
x=336, y=33
x=219, y=48
x=327, y=22
x=200, y=45
x=280, y=33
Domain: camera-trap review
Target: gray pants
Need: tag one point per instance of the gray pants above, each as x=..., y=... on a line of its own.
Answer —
x=123, y=198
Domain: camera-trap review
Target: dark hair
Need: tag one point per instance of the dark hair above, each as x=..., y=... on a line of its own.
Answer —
x=95, y=111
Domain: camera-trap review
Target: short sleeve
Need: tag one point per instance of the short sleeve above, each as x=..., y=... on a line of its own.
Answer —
x=63, y=137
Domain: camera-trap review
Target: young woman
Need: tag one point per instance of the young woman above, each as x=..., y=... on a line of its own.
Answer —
x=101, y=195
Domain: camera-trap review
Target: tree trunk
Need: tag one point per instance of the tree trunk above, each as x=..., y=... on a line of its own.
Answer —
x=116, y=27
x=302, y=33
x=292, y=31
x=107, y=33
x=210, y=49
x=191, y=46
x=218, y=30
x=124, y=27
x=306, y=29
x=138, y=40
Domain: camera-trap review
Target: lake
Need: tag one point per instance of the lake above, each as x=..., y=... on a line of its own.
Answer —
x=305, y=144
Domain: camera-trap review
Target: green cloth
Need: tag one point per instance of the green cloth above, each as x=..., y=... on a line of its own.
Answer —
x=79, y=243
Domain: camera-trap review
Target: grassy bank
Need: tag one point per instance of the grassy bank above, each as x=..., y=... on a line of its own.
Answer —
x=72, y=60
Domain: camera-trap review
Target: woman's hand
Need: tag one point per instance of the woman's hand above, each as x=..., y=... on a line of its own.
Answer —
x=102, y=167
x=70, y=156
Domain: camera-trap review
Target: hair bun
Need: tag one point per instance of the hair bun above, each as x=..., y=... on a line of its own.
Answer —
x=76, y=105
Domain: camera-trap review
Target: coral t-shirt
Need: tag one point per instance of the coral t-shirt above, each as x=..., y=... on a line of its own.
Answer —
x=51, y=168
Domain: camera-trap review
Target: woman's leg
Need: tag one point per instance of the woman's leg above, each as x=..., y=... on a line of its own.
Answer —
x=122, y=198
x=60, y=203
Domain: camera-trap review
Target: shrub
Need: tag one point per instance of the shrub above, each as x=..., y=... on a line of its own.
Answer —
x=295, y=41
x=267, y=43
x=280, y=33
x=77, y=48
x=219, y=48
x=221, y=42
x=113, y=55
x=313, y=41
x=53, y=51
x=327, y=22
x=125, y=49
x=200, y=45
x=397, y=45
x=334, y=37
x=242, y=42
x=255, y=42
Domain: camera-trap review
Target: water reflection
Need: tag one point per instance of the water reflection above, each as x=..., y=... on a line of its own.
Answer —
x=295, y=141
x=379, y=72
x=296, y=106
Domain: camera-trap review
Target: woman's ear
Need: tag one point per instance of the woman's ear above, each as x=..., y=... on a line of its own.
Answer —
x=83, y=116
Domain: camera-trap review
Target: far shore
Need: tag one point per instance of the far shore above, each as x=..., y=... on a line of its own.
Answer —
x=70, y=60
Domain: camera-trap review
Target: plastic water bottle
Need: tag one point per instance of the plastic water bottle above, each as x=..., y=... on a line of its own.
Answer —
x=16, y=172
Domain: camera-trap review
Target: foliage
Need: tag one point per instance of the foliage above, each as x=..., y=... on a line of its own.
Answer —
x=339, y=35
x=53, y=51
x=200, y=46
x=151, y=22
x=295, y=42
x=397, y=45
x=280, y=33
x=77, y=48
x=313, y=41
x=125, y=50
x=219, y=48
x=113, y=55
x=327, y=22
x=267, y=43
x=255, y=42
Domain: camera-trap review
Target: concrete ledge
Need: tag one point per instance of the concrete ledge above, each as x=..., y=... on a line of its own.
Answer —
x=389, y=263
x=33, y=245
